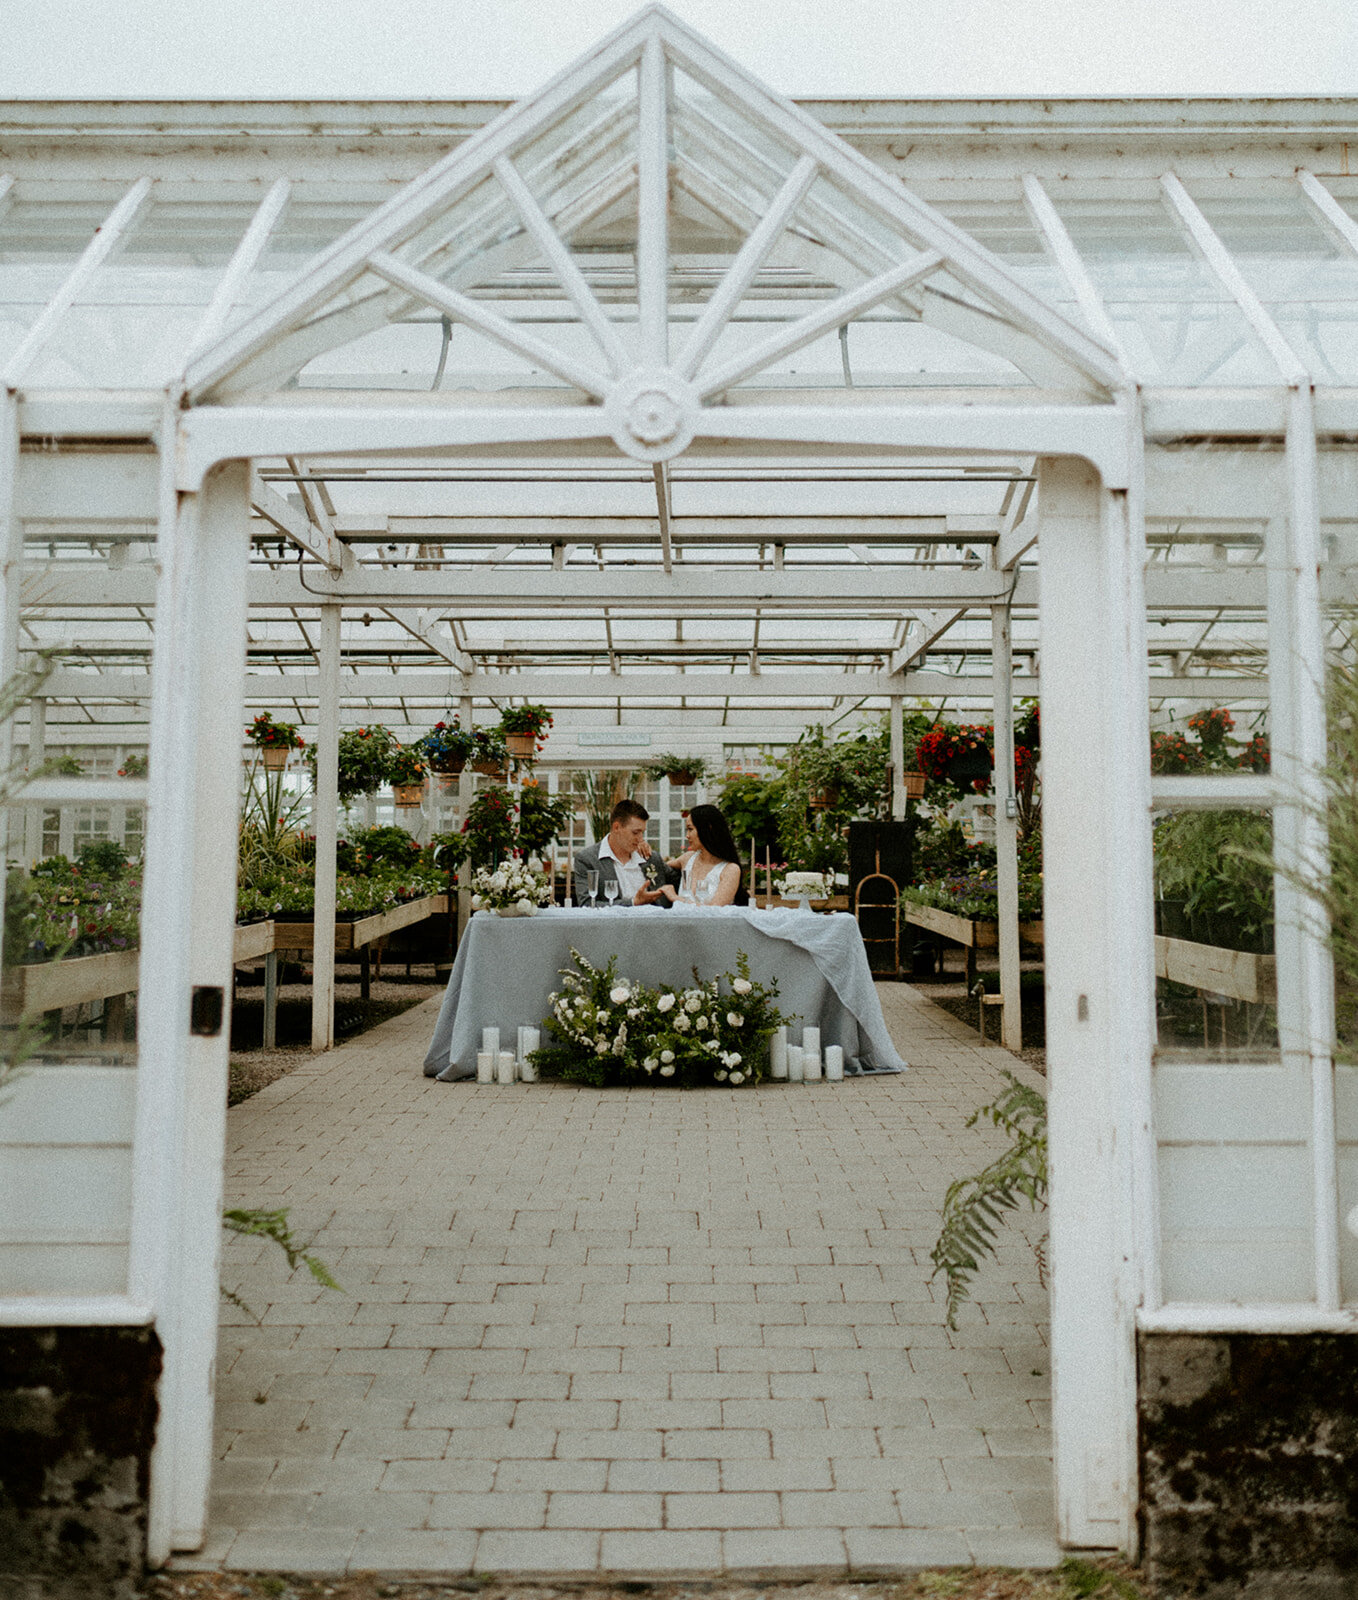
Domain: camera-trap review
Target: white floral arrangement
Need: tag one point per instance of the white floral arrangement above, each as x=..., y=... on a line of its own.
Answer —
x=512, y=886
x=795, y=885
x=613, y=1030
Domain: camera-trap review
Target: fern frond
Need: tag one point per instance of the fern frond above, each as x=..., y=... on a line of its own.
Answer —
x=974, y=1207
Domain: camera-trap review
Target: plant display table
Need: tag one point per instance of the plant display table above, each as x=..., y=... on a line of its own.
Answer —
x=1237, y=974
x=51, y=986
x=971, y=933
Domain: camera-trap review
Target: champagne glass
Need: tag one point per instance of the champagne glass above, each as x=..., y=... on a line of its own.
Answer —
x=611, y=890
x=592, y=884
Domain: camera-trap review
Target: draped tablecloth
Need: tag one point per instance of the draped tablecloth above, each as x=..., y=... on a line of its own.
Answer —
x=507, y=966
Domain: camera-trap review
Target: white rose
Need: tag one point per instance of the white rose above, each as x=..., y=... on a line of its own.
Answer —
x=665, y=1003
x=700, y=1022
x=682, y=1023
x=719, y=1075
x=619, y=994
x=734, y=1019
x=667, y=1072
x=737, y=1077
x=742, y=986
x=650, y=1063
x=476, y=902
x=525, y=905
x=667, y=1056
x=692, y=1003
x=601, y=1049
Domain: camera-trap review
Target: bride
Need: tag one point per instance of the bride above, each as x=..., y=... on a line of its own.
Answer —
x=711, y=866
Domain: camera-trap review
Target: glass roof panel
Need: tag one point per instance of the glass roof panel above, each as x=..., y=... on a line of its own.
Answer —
x=1306, y=281
x=1177, y=324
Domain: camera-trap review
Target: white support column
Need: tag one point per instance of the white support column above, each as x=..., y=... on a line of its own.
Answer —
x=1006, y=827
x=466, y=784
x=327, y=832
x=1305, y=966
x=37, y=754
x=1100, y=993
x=11, y=578
x=897, y=735
x=198, y=673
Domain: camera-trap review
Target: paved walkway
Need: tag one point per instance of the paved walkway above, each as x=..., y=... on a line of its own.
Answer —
x=635, y=1332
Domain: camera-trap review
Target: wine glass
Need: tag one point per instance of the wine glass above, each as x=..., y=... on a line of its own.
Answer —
x=611, y=890
x=592, y=884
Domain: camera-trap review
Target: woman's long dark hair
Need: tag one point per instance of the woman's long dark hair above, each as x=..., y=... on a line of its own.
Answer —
x=714, y=833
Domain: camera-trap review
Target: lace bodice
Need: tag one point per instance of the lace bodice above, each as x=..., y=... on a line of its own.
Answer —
x=696, y=891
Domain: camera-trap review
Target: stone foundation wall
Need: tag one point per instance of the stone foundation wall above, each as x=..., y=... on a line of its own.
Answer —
x=1249, y=1465
x=77, y=1421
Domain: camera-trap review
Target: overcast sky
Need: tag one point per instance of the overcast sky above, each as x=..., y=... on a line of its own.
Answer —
x=468, y=49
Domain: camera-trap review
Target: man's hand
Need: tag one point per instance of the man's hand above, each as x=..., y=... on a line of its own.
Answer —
x=647, y=897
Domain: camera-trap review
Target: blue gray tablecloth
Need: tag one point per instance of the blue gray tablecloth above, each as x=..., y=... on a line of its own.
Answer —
x=507, y=966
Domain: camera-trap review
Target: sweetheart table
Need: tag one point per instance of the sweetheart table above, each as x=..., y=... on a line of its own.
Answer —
x=507, y=966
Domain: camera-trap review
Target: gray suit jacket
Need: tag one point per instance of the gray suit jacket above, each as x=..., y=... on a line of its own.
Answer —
x=589, y=860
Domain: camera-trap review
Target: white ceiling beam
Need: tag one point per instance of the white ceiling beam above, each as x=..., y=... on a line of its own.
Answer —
x=660, y=473
x=925, y=629
x=1219, y=260
x=285, y=519
x=1070, y=264
x=476, y=314
x=1018, y=531
x=106, y=239
x=1340, y=226
x=653, y=206
x=244, y=260
x=425, y=627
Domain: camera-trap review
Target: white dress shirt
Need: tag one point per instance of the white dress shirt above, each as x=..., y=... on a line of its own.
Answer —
x=631, y=873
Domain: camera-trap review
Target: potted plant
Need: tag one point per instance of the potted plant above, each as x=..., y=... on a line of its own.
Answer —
x=525, y=730
x=489, y=755
x=957, y=754
x=275, y=740
x=541, y=818
x=405, y=773
x=682, y=771
x=364, y=761
x=135, y=765
x=446, y=747
x=491, y=827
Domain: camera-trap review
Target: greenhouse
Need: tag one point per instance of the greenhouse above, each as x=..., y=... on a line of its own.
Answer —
x=736, y=434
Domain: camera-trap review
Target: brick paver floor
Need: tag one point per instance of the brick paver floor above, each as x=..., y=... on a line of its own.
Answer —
x=635, y=1332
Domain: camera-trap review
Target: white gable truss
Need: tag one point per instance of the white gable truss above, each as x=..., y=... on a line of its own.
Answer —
x=612, y=143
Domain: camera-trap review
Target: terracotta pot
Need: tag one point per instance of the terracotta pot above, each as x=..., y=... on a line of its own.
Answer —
x=489, y=769
x=914, y=785
x=275, y=757
x=408, y=794
x=521, y=744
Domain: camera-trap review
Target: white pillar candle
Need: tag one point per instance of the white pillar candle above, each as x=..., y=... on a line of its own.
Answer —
x=778, y=1054
x=811, y=1041
x=490, y=1040
x=485, y=1066
x=795, y=1060
x=504, y=1066
x=529, y=1040
x=834, y=1063
x=811, y=1065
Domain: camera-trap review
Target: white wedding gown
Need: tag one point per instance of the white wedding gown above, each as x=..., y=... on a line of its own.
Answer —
x=696, y=891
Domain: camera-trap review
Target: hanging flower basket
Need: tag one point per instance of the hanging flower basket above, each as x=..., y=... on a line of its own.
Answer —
x=682, y=777
x=823, y=799
x=968, y=766
x=275, y=757
x=914, y=785
x=490, y=768
x=522, y=746
x=408, y=794
x=449, y=766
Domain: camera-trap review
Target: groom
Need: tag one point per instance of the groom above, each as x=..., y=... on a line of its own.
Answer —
x=624, y=857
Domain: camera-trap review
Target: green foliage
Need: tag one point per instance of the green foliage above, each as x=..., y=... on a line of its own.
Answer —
x=271, y=735
x=364, y=760
x=367, y=848
x=665, y=766
x=491, y=827
x=447, y=744
x=971, y=888
x=541, y=818
x=102, y=858
x=1081, y=1578
x=60, y=910
x=526, y=719
x=1219, y=863
x=405, y=766
x=602, y=789
x=135, y=765
x=974, y=1207
x=751, y=805
x=273, y=1225
x=448, y=851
